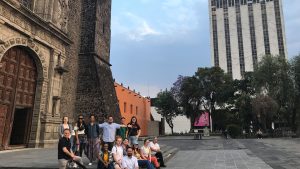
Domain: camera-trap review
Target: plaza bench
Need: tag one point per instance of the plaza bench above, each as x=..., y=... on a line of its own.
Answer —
x=198, y=134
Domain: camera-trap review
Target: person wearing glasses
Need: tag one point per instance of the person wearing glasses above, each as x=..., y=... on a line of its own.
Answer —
x=80, y=134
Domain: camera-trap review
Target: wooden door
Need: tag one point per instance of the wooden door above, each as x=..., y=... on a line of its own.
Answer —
x=17, y=87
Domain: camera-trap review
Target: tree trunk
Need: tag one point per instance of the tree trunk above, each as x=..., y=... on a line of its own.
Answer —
x=172, y=130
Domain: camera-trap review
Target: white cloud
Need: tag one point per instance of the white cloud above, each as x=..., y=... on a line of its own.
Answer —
x=142, y=31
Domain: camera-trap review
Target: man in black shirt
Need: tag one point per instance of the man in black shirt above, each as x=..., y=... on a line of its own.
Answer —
x=64, y=151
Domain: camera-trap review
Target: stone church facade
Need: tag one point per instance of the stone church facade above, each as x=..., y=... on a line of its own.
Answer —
x=54, y=62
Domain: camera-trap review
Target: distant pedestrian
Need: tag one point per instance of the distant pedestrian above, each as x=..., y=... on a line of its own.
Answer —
x=64, y=151
x=81, y=138
x=65, y=125
x=259, y=134
x=93, y=142
x=109, y=131
x=134, y=131
x=123, y=129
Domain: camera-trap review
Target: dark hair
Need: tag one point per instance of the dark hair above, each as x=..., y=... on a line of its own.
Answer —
x=125, y=139
x=64, y=118
x=122, y=118
x=109, y=116
x=129, y=147
x=146, y=139
x=67, y=129
x=92, y=115
x=80, y=127
x=136, y=122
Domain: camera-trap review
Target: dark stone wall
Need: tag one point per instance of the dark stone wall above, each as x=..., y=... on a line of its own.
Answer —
x=71, y=64
x=95, y=87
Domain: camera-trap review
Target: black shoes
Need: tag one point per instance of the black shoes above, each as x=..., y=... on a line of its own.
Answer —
x=163, y=166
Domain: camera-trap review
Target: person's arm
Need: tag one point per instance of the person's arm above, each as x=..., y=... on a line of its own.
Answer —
x=117, y=126
x=101, y=125
x=60, y=132
x=65, y=150
x=149, y=155
x=139, y=131
x=76, y=134
x=100, y=159
x=142, y=154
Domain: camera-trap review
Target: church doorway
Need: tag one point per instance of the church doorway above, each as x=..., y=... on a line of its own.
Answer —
x=18, y=76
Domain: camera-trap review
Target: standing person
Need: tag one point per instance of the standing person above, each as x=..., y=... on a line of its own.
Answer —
x=123, y=129
x=109, y=131
x=65, y=125
x=134, y=131
x=105, y=158
x=117, y=153
x=146, y=154
x=64, y=151
x=141, y=162
x=92, y=131
x=130, y=161
x=80, y=134
x=155, y=149
x=259, y=134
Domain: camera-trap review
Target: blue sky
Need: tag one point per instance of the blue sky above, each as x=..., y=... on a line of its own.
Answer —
x=154, y=41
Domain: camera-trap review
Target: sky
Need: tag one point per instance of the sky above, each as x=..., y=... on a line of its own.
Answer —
x=155, y=41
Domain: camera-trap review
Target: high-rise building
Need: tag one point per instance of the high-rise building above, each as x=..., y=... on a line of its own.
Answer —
x=242, y=31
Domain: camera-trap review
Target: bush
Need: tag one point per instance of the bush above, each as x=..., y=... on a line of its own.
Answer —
x=234, y=130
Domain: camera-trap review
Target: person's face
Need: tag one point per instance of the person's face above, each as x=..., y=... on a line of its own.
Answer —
x=110, y=120
x=155, y=140
x=67, y=133
x=129, y=152
x=80, y=118
x=105, y=147
x=125, y=142
x=119, y=141
x=133, y=120
x=147, y=143
x=123, y=121
x=66, y=119
x=136, y=146
x=92, y=118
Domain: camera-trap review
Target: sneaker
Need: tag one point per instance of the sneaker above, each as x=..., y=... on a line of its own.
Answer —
x=163, y=166
x=75, y=165
x=90, y=164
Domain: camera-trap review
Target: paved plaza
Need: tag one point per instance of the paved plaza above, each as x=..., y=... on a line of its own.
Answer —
x=209, y=153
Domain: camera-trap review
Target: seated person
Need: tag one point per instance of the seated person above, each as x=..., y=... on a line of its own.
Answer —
x=130, y=161
x=117, y=153
x=146, y=154
x=141, y=162
x=64, y=151
x=259, y=134
x=155, y=149
x=105, y=158
x=125, y=145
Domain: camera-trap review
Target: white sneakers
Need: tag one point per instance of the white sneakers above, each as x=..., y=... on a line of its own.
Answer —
x=90, y=164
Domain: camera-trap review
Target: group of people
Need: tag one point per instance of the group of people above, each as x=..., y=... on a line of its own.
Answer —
x=114, y=146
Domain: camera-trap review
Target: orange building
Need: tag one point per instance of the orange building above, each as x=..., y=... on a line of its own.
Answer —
x=131, y=104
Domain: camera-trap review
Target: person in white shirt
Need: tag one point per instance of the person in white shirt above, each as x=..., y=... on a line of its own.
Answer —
x=129, y=161
x=109, y=131
x=117, y=153
x=155, y=149
x=146, y=154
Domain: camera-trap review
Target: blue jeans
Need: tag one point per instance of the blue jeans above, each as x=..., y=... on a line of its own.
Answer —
x=145, y=163
x=102, y=166
x=133, y=140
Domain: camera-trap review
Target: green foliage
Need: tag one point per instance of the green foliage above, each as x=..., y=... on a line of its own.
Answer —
x=167, y=106
x=234, y=130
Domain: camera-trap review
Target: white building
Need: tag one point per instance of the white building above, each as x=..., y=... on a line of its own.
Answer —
x=242, y=31
x=181, y=123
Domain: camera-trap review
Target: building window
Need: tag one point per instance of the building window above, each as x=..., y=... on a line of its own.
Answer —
x=131, y=107
x=252, y=34
x=125, y=105
x=136, y=110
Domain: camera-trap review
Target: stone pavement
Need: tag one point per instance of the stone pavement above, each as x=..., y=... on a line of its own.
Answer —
x=216, y=159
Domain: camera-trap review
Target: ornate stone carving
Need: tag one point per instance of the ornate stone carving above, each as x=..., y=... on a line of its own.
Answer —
x=60, y=14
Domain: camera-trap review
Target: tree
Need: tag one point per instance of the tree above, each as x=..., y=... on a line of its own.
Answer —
x=295, y=64
x=205, y=89
x=264, y=108
x=273, y=77
x=167, y=106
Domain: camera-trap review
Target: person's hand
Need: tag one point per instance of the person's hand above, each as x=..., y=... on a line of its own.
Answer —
x=106, y=164
x=72, y=156
x=129, y=125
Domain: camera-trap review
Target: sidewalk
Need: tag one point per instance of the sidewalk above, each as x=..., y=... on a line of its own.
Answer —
x=47, y=158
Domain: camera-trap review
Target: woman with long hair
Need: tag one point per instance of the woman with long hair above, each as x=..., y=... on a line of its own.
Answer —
x=80, y=134
x=65, y=125
x=134, y=131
